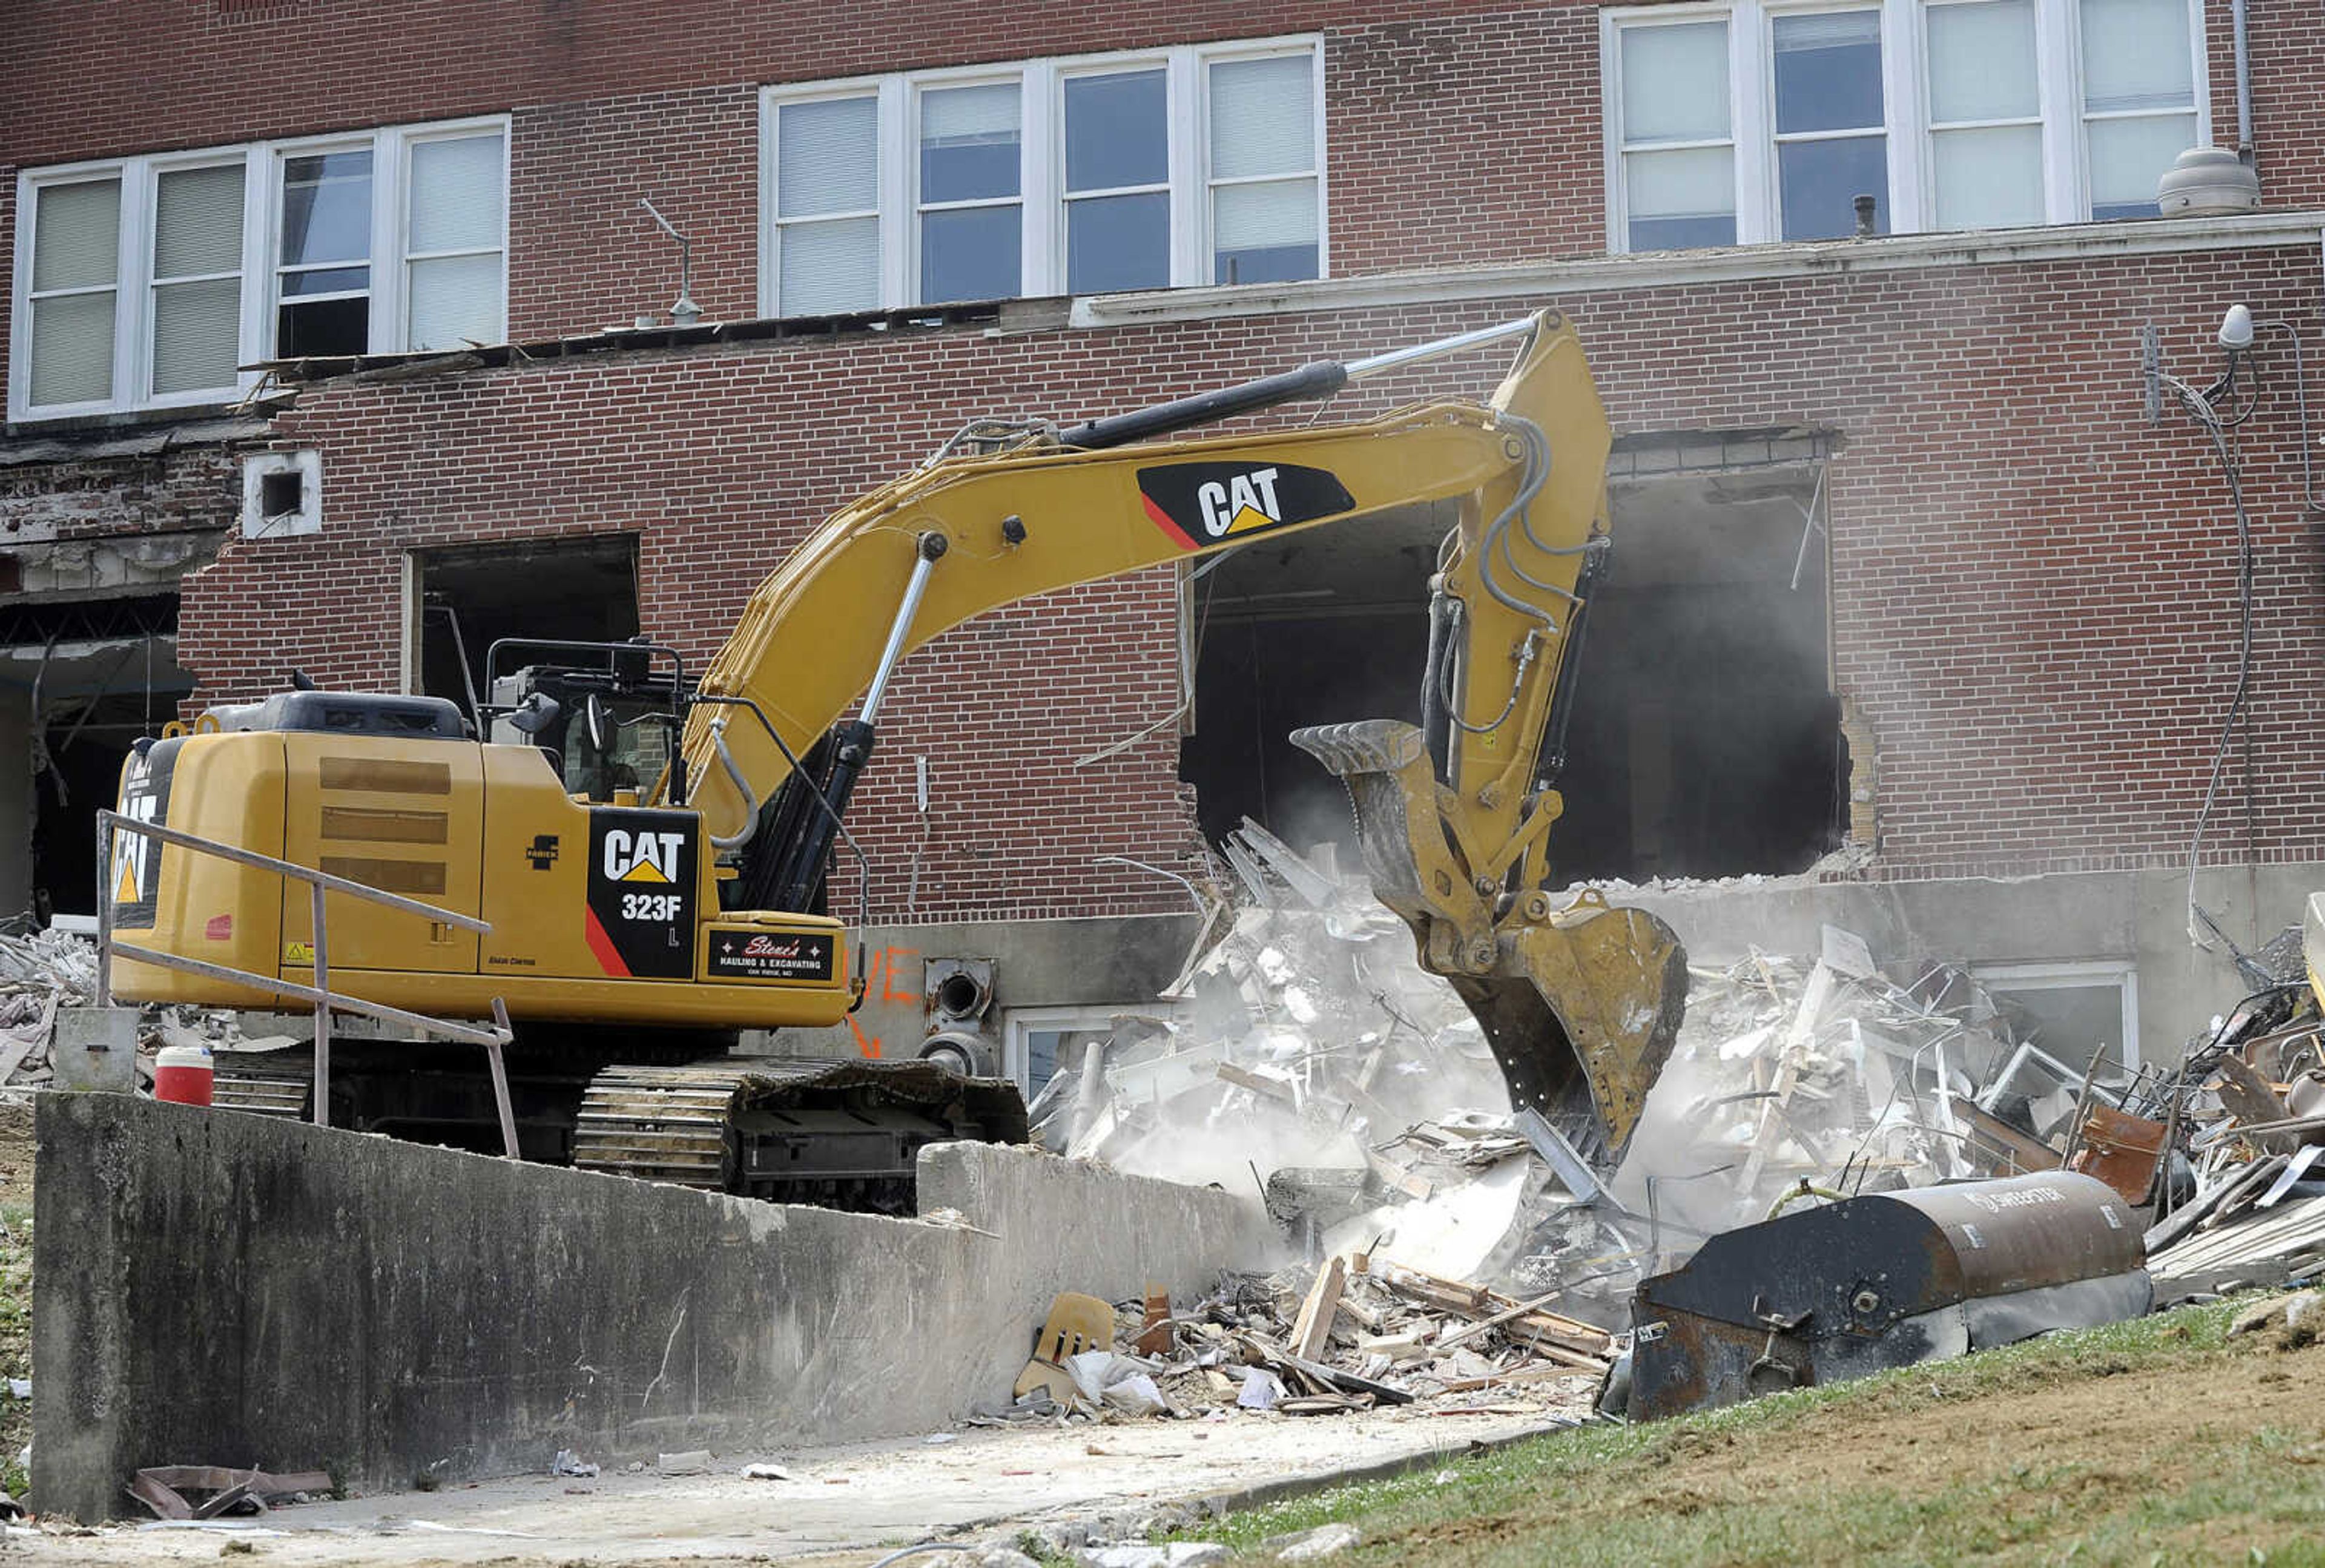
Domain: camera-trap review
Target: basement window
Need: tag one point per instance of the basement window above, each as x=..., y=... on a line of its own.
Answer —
x=2070, y=1010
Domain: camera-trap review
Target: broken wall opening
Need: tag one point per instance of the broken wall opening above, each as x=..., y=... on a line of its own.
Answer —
x=1327, y=625
x=80, y=681
x=461, y=600
x=1705, y=740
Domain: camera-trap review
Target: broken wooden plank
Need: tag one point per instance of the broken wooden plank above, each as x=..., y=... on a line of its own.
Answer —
x=1315, y=1320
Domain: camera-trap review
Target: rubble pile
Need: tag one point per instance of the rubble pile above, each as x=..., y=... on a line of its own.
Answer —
x=1304, y=1055
x=2238, y=1135
x=52, y=970
x=1350, y=1335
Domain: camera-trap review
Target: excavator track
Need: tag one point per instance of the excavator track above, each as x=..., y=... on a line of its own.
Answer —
x=836, y=1134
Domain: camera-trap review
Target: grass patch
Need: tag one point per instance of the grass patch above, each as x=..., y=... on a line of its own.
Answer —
x=2103, y=1445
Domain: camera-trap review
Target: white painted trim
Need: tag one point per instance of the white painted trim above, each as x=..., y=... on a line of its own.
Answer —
x=2083, y=974
x=139, y=176
x=1016, y=1023
x=1905, y=53
x=1041, y=159
x=1686, y=268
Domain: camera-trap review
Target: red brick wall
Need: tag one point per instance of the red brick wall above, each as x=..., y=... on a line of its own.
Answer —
x=1465, y=136
x=2033, y=590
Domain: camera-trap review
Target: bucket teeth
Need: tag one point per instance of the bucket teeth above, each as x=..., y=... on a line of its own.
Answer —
x=1363, y=746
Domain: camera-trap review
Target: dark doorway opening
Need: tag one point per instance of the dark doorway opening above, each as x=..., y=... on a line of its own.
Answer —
x=1328, y=626
x=90, y=702
x=469, y=597
x=1704, y=742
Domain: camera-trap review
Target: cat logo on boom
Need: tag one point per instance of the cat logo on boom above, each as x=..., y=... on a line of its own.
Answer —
x=643, y=857
x=1199, y=505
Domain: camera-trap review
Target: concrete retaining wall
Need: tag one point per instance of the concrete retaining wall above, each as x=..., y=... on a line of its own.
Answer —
x=227, y=1289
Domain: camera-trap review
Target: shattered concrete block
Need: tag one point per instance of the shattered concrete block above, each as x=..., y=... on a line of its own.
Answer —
x=1308, y=1545
x=1176, y=1554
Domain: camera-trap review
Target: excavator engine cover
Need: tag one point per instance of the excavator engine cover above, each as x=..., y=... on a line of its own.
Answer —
x=1824, y=1294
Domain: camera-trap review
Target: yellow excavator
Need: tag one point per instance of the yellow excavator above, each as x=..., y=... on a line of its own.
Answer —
x=652, y=854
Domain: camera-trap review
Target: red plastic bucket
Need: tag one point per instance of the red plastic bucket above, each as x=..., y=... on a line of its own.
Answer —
x=182, y=1073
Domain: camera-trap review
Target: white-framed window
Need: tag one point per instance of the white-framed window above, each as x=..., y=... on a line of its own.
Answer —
x=2069, y=1008
x=1152, y=168
x=148, y=281
x=1744, y=120
x=1037, y=1042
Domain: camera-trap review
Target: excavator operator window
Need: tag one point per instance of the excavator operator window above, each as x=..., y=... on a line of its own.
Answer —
x=637, y=748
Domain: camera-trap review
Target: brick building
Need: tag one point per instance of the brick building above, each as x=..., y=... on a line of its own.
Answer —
x=1915, y=559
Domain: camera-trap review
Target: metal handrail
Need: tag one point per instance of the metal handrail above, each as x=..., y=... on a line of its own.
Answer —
x=320, y=994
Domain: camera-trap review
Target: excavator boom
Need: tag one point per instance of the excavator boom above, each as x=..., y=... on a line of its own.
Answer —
x=1581, y=1002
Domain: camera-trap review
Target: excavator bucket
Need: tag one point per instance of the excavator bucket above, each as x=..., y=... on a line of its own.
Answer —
x=1581, y=1011
x=1581, y=1005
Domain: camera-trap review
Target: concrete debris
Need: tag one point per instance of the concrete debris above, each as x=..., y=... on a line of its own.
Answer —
x=693, y=1461
x=767, y=1473
x=54, y=971
x=569, y=1463
x=1309, y=1545
x=1174, y=1554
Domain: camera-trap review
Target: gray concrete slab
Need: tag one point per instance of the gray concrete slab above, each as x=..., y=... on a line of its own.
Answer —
x=848, y=1503
x=221, y=1288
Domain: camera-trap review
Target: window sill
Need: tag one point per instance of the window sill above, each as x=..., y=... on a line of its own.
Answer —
x=1669, y=269
x=163, y=423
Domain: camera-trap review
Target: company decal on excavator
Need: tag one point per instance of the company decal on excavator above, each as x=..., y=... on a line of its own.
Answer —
x=1201, y=504
x=640, y=919
x=133, y=879
x=741, y=953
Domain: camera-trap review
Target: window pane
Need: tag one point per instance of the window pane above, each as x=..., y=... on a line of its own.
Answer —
x=197, y=222
x=72, y=348
x=326, y=281
x=1675, y=83
x=1115, y=131
x=327, y=208
x=456, y=301
x=2129, y=156
x=77, y=235
x=1989, y=179
x=2136, y=55
x=1682, y=199
x=968, y=144
x=1265, y=233
x=1122, y=242
x=1828, y=71
x=1263, y=116
x=322, y=327
x=971, y=253
x=1694, y=182
x=1818, y=182
x=826, y=157
x=197, y=335
x=456, y=194
x=1982, y=61
x=828, y=269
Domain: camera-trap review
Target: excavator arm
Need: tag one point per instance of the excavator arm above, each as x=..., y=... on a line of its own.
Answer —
x=1579, y=1002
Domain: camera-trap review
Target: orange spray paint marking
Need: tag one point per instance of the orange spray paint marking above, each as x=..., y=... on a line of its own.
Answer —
x=866, y=1044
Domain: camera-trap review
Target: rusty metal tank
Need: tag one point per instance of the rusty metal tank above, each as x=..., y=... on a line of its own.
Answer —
x=1884, y=1280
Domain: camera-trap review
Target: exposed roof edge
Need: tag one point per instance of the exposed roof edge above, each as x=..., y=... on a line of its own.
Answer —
x=1735, y=264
